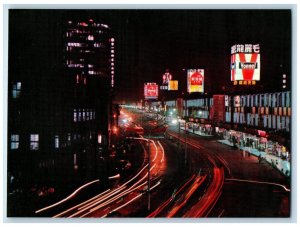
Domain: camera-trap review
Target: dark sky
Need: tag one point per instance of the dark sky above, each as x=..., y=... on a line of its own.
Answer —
x=150, y=41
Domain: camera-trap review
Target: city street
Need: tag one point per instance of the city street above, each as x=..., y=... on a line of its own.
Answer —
x=149, y=112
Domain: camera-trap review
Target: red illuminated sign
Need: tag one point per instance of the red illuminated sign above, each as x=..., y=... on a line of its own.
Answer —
x=195, y=80
x=150, y=91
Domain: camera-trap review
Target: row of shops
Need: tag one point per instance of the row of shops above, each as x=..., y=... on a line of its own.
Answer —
x=253, y=138
x=261, y=143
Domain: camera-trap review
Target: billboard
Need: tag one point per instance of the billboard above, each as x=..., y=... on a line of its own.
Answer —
x=245, y=63
x=150, y=91
x=166, y=78
x=173, y=85
x=195, y=80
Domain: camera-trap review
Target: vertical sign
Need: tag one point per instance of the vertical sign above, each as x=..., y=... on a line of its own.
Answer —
x=195, y=80
x=245, y=64
x=151, y=91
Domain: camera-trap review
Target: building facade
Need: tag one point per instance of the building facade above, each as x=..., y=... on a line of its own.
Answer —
x=59, y=119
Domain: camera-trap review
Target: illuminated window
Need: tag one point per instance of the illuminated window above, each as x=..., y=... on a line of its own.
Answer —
x=75, y=115
x=90, y=37
x=56, y=141
x=34, y=141
x=16, y=90
x=91, y=115
x=69, y=139
x=14, y=142
x=79, y=115
x=87, y=115
x=83, y=114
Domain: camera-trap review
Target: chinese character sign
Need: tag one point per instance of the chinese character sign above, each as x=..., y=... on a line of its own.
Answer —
x=151, y=91
x=166, y=78
x=195, y=80
x=245, y=62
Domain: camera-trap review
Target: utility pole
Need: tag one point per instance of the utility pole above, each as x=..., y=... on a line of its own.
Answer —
x=185, y=141
x=149, y=175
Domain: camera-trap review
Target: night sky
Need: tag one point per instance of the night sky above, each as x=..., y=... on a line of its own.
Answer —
x=150, y=41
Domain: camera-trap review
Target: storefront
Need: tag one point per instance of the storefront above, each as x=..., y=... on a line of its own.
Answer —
x=257, y=141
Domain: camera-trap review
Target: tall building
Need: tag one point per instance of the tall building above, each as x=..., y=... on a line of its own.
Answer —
x=89, y=66
x=59, y=101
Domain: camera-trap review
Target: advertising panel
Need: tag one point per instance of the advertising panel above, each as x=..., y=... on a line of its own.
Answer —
x=166, y=78
x=151, y=91
x=237, y=101
x=173, y=85
x=226, y=100
x=245, y=63
x=195, y=80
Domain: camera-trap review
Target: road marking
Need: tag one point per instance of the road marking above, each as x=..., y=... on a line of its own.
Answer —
x=259, y=182
x=222, y=212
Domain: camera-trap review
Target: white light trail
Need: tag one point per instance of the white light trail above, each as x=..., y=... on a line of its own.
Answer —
x=72, y=208
x=163, y=150
x=67, y=198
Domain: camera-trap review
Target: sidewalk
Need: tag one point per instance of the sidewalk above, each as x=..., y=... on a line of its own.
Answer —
x=283, y=166
x=199, y=133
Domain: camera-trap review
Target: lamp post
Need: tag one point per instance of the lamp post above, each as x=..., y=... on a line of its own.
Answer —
x=149, y=175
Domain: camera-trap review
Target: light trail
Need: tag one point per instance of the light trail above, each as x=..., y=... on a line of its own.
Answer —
x=259, y=182
x=100, y=204
x=156, y=151
x=91, y=204
x=117, y=176
x=89, y=201
x=113, y=199
x=165, y=204
x=67, y=198
x=132, y=200
x=125, y=204
x=72, y=208
x=197, y=182
x=163, y=151
x=109, y=196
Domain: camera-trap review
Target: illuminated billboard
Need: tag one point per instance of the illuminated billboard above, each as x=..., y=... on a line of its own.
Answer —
x=166, y=78
x=173, y=85
x=195, y=80
x=245, y=64
x=151, y=91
